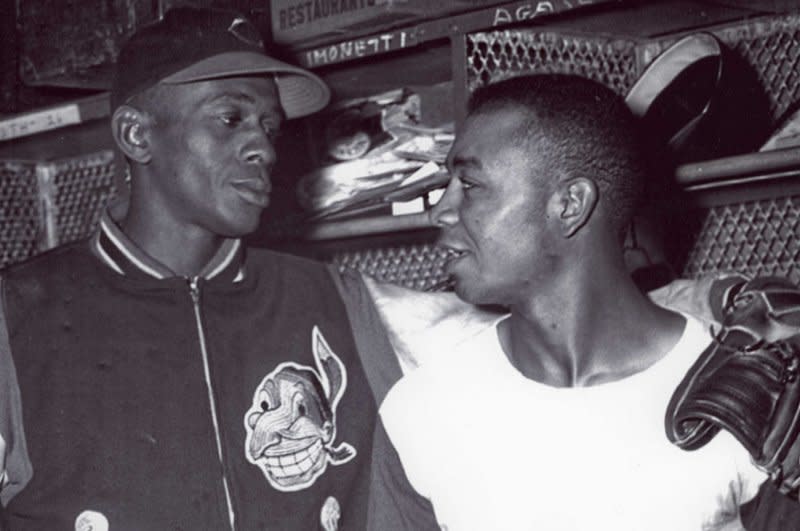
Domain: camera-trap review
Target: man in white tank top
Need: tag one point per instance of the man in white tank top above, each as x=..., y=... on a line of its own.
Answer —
x=551, y=417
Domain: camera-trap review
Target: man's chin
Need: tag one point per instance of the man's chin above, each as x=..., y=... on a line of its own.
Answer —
x=478, y=294
x=241, y=225
x=468, y=291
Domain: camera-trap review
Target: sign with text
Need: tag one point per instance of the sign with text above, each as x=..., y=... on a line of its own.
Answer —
x=374, y=44
x=295, y=21
x=40, y=121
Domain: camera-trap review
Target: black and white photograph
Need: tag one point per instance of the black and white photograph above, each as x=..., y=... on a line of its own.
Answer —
x=400, y=265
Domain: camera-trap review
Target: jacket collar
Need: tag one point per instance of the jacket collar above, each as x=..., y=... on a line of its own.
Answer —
x=122, y=255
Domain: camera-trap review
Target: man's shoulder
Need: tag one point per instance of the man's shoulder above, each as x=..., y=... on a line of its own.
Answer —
x=50, y=261
x=263, y=257
x=283, y=266
x=36, y=282
x=423, y=326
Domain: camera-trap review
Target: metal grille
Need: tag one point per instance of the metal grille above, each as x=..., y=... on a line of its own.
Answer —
x=772, y=47
x=758, y=238
x=84, y=186
x=418, y=267
x=19, y=211
x=496, y=55
x=45, y=204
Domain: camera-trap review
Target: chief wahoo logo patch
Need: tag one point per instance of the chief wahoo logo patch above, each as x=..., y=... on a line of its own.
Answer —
x=291, y=424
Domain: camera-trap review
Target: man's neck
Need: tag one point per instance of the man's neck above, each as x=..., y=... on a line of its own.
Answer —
x=582, y=331
x=184, y=252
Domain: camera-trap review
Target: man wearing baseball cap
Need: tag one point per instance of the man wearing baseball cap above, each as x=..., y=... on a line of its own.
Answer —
x=159, y=375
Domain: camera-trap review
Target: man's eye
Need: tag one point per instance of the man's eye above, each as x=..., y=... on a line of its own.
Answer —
x=466, y=184
x=231, y=120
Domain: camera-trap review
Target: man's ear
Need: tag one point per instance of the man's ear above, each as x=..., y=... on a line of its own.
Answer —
x=578, y=199
x=129, y=128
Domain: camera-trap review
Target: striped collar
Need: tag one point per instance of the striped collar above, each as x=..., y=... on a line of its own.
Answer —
x=122, y=255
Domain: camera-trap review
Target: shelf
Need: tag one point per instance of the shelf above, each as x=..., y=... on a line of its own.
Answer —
x=741, y=178
x=54, y=117
x=402, y=38
x=739, y=169
x=751, y=176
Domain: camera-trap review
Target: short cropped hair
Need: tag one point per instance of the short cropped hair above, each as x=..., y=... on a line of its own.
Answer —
x=586, y=129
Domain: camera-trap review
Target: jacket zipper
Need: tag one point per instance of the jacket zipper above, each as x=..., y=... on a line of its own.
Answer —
x=194, y=290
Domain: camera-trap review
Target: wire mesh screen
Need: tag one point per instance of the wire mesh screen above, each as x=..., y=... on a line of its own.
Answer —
x=19, y=211
x=772, y=47
x=419, y=267
x=496, y=55
x=758, y=238
x=44, y=204
x=83, y=188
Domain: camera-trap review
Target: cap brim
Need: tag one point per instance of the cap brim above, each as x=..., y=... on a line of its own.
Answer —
x=301, y=92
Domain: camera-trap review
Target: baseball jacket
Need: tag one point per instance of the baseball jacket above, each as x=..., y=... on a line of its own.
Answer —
x=132, y=399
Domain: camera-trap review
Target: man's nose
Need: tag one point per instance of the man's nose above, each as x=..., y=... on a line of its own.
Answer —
x=445, y=212
x=259, y=149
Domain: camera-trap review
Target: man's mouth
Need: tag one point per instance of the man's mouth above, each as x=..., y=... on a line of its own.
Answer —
x=254, y=191
x=451, y=252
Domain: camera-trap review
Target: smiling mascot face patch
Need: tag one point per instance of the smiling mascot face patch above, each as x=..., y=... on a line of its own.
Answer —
x=291, y=424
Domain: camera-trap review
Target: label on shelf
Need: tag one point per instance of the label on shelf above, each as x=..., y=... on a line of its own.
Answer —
x=381, y=35
x=37, y=122
x=295, y=21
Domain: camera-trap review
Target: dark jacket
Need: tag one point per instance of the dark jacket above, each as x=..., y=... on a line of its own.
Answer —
x=240, y=399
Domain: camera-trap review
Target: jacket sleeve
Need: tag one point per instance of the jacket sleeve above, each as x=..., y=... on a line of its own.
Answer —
x=15, y=466
x=394, y=504
x=377, y=356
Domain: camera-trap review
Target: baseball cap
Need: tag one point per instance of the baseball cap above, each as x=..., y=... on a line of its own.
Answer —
x=196, y=44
